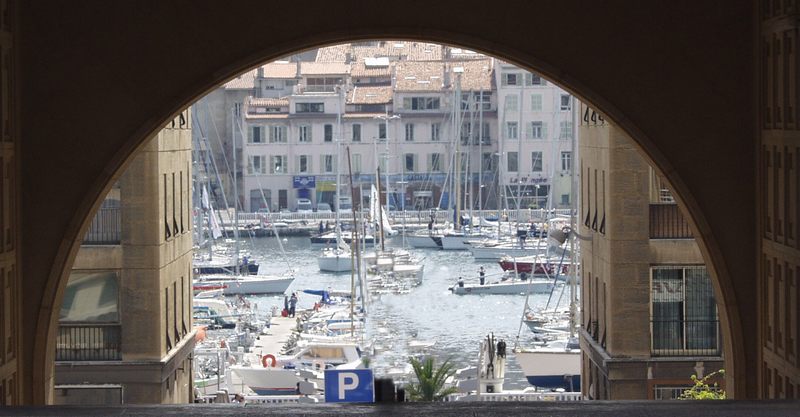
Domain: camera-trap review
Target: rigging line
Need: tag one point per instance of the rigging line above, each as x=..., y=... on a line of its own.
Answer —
x=222, y=148
x=210, y=157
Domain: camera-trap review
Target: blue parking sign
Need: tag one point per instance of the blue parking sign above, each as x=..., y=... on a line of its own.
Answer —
x=349, y=386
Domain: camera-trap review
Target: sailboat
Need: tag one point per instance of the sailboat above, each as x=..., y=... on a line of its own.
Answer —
x=557, y=362
x=236, y=284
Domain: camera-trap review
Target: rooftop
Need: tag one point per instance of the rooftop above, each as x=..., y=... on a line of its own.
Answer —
x=280, y=69
x=370, y=95
x=244, y=81
x=419, y=76
x=324, y=68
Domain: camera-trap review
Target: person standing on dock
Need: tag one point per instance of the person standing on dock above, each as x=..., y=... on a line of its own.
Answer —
x=482, y=274
x=321, y=227
x=292, y=304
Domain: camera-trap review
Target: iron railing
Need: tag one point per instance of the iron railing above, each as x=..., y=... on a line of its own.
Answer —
x=667, y=222
x=106, y=227
x=89, y=342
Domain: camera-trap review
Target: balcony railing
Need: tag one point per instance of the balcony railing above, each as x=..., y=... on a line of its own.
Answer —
x=92, y=342
x=667, y=222
x=106, y=227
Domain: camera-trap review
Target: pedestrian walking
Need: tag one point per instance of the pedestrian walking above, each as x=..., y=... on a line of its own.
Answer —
x=482, y=274
x=321, y=227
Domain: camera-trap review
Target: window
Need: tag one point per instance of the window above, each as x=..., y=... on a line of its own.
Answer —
x=328, y=163
x=513, y=162
x=382, y=131
x=435, y=162
x=304, y=164
x=409, y=132
x=511, y=130
x=533, y=79
x=328, y=133
x=535, y=130
x=536, y=162
x=256, y=164
x=309, y=107
x=421, y=103
x=564, y=199
x=356, y=133
x=565, y=130
x=277, y=134
x=566, y=161
x=487, y=163
x=91, y=297
x=435, y=131
x=566, y=102
x=277, y=164
x=411, y=162
x=512, y=102
x=510, y=78
x=304, y=134
x=536, y=102
x=684, y=312
x=318, y=84
x=356, y=163
x=255, y=135
x=483, y=99
x=237, y=109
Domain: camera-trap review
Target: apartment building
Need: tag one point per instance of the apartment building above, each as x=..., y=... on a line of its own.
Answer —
x=125, y=330
x=648, y=309
x=537, y=134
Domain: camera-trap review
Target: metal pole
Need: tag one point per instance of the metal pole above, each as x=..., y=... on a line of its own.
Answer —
x=235, y=196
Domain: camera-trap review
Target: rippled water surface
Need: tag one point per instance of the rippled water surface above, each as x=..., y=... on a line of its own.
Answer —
x=428, y=313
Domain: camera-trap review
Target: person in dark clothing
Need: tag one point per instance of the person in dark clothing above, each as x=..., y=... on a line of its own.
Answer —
x=321, y=227
x=292, y=304
x=482, y=274
x=327, y=226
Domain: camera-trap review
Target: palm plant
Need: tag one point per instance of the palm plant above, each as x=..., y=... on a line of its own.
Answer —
x=430, y=380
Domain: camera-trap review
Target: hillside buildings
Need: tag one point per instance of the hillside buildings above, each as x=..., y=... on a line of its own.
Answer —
x=411, y=109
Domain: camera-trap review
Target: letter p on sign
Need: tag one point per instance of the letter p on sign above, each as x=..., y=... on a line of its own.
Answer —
x=347, y=381
x=349, y=386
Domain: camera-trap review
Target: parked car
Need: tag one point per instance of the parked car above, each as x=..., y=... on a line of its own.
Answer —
x=304, y=205
x=324, y=208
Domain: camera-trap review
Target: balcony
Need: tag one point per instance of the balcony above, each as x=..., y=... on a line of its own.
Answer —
x=106, y=227
x=667, y=222
x=89, y=342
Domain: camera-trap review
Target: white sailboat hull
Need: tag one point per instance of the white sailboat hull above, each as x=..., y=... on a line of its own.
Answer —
x=552, y=368
x=512, y=287
x=268, y=381
x=251, y=284
x=331, y=262
x=495, y=253
x=455, y=242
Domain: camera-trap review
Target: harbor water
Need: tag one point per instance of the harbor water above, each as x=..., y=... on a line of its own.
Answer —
x=429, y=313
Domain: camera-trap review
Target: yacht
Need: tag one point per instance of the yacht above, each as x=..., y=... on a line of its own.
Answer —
x=244, y=284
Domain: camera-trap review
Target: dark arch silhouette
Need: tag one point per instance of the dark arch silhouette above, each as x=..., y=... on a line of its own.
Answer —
x=162, y=57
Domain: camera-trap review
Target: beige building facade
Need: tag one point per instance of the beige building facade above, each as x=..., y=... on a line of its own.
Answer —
x=648, y=311
x=125, y=329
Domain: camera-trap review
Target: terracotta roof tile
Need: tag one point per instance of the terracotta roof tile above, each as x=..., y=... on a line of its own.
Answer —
x=477, y=74
x=244, y=81
x=419, y=76
x=370, y=95
x=359, y=69
x=268, y=102
x=280, y=70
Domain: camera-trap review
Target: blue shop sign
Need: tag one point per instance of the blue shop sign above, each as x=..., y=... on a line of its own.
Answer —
x=304, y=181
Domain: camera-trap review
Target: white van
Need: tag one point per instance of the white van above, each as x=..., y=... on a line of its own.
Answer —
x=304, y=206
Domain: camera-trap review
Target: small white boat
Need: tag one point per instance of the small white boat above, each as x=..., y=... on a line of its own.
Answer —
x=557, y=365
x=245, y=284
x=494, y=250
x=335, y=260
x=510, y=286
x=425, y=239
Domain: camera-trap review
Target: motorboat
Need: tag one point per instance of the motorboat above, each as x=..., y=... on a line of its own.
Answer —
x=508, y=286
x=245, y=284
x=535, y=265
x=329, y=238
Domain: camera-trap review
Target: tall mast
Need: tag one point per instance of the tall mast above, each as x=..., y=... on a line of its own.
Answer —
x=353, y=252
x=480, y=152
x=235, y=194
x=457, y=168
x=380, y=208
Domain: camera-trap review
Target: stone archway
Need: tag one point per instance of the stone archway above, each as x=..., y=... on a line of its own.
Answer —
x=150, y=75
